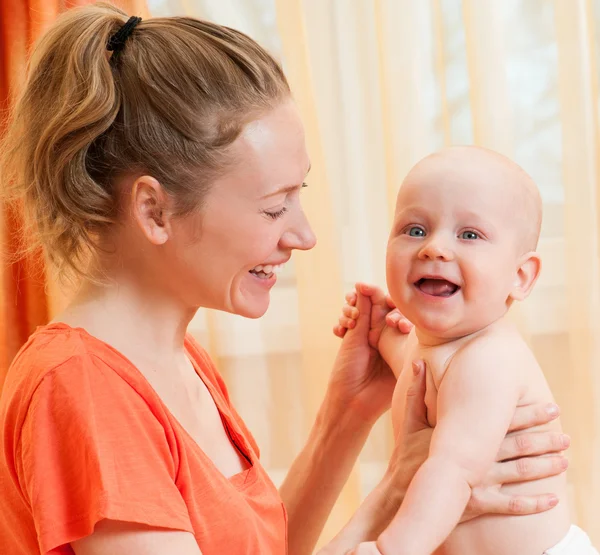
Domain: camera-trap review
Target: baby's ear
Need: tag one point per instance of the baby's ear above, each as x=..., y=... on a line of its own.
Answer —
x=528, y=272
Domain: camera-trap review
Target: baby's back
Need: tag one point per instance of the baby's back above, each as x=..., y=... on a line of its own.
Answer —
x=494, y=534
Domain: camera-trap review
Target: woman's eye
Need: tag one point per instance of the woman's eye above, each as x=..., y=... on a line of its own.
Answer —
x=277, y=214
x=469, y=235
x=415, y=231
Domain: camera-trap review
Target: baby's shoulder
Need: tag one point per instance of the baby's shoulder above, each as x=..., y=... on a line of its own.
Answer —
x=498, y=348
x=501, y=338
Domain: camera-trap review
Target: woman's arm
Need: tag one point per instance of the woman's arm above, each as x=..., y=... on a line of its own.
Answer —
x=318, y=475
x=111, y=537
x=410, y=450
x=360, y=391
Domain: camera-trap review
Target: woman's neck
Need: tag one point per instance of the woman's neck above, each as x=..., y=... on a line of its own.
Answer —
x=131, y=316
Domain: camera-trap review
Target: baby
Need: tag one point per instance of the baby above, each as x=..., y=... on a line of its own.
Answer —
x=461, y=251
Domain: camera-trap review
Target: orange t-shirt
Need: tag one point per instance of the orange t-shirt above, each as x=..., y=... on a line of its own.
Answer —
x=84, y=437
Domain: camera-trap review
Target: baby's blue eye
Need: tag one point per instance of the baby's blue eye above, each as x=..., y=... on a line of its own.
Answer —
x=416, y=232
x=469, y=235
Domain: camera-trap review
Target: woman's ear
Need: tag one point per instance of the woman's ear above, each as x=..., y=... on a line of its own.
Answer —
x=150, y=206
x=528, y=272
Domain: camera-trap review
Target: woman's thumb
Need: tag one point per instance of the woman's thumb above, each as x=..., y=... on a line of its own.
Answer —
x=415, y=417
x=363, y=304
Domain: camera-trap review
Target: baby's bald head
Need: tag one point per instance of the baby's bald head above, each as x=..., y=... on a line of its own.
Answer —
x=484, y=173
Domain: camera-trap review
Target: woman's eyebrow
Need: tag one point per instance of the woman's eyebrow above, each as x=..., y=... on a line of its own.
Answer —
x=285, y=188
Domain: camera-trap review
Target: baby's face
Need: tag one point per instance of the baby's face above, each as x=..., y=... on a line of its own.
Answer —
x=455, y=246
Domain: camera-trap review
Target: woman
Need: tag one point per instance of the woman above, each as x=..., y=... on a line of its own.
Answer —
x=161, y=163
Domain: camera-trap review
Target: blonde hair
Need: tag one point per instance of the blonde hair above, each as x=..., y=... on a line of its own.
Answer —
x=168, y=105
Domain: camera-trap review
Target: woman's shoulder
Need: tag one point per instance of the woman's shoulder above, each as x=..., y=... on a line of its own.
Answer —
x=59, y=361
x=49, y=349
x=68, y=380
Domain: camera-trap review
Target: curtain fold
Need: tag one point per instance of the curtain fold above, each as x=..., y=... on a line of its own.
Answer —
x=578, y=93
x=489, y=94
x=319, y=292
x=23, y=301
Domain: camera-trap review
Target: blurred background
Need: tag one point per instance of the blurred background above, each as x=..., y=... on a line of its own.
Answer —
x=381, y=83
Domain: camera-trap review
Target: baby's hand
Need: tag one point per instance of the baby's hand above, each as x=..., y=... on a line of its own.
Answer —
x=384, y=314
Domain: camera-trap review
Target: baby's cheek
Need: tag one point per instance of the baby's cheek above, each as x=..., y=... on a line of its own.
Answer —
x=397, y=287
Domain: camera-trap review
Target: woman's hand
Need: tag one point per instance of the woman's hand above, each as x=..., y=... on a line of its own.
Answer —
x=361, y=380
x=520, y=458
x=383, y=313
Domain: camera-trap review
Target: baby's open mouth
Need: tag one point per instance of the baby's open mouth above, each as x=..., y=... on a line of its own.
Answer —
x=437, y=287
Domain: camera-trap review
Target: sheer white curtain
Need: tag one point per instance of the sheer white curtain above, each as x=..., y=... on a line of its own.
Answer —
x=380, y=84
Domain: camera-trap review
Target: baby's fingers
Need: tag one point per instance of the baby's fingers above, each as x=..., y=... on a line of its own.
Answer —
x=344, y=324
x=349, y=316
x=347, y=323
x=339, y=331
x=350, y=312
x=351, y=298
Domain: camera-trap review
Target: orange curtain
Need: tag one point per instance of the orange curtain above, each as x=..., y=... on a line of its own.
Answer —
x=24, y=302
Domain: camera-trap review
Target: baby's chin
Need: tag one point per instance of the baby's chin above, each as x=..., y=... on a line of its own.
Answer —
x=442, y=328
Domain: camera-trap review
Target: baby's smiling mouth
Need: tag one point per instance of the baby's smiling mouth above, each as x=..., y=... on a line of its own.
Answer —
x=436, y=286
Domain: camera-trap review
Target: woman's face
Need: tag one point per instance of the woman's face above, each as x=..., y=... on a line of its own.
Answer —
x=227, y=258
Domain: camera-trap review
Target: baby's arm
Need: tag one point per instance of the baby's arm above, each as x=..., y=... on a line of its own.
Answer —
x=464, y=445
x=393, y=347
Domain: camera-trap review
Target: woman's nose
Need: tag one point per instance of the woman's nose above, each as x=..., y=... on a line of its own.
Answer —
x=299, y=235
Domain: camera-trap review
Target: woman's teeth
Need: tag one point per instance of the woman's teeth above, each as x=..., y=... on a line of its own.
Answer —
x=267, y=270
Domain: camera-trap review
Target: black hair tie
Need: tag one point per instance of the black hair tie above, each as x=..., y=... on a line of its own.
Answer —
x=116, y=43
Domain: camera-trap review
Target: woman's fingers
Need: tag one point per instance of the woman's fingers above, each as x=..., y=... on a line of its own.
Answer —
x=533, y=415
x=376, y=294
x=534, y=443
x=395, y=319
x=522, y=457
x=415, y=411
x=485, y=501
x=526, y=469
